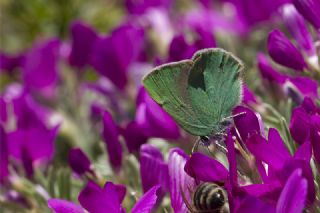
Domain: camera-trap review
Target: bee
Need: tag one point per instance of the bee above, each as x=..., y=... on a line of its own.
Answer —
x=208, y=198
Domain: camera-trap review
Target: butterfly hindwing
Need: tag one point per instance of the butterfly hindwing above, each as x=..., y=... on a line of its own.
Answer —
x=221, y=83
x=198, y=93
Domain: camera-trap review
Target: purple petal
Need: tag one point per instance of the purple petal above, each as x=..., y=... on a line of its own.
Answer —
x=265, y=151
x=315, y=136
x=293, y=164
x=248, y=96
x=4, y=157
x=204, y=39
x=153, y=120
x=253, y=12
x=78, y=161
x=253, y=204
x=111, y=139
x=28, y=113
x=153, y=170
x=284, y=52
x=120, y=190
x=97, y=200
x=310, y=10
x=3, y=110
x=294, y=194
x=300, y=125
x=249, y=123
x=38, y=143
x=40, y=66
x=180, y=49
x=134, y=136
x=309, y=105
x=64, y=206
x=276, y=141
x=304, y=152
x=267, y=72
x=111, y=56
x=204, y=168
x=180, y=181
x=83, y=38
x=9, y=62
x=307, y=86
x=231, y=154
x=268, y=192
x=147, y=201
x=140, y=7
x=298, y=29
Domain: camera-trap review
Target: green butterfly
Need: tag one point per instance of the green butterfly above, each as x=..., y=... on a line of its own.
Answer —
x=199, y=93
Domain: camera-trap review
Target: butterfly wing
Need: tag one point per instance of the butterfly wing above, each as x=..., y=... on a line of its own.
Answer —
x=215, y=86
x=198, y=93
x=167, y=85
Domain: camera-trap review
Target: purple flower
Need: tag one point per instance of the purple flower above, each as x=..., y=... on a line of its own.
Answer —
x=4, y=157
x=300, y=125
x=295, y=87
x=153, y=120
x=3, y=110
x=204, y=168
x=27, y=112
x=40, y=66
x=180, y=182
x=97, y=200
x=146, y=203
x=140, y=7
x=153, y=169
x=112, y=55
x=298, y=29
x=284, y=52
x=83, y=38
x=274, y=157
x=253, y=12
x=64, y=206
x=248, y=96
x=180, y=48
x=282, y=164
x=267, y=72
x=107, y=199
x=79, y=162
x=315, y=136
x=32, y=145
x=111, y=138
x=215, y=21
x=310, y=10
x=9, y=62
x=294, y=193
x=247, y=122
x=304, y=125
x=305, y=85
x=134, y=136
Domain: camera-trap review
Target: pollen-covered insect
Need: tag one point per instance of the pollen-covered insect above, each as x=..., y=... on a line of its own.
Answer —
x=208, y=198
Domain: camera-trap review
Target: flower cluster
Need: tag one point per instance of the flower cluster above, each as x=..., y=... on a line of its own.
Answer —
x=79, y=132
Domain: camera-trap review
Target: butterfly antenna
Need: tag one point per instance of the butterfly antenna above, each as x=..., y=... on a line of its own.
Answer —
x=234, y=116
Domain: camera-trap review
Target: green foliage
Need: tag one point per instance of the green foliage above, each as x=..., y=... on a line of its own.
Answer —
x=199, y=93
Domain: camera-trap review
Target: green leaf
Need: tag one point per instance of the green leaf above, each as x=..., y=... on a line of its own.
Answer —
x=199, y=93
